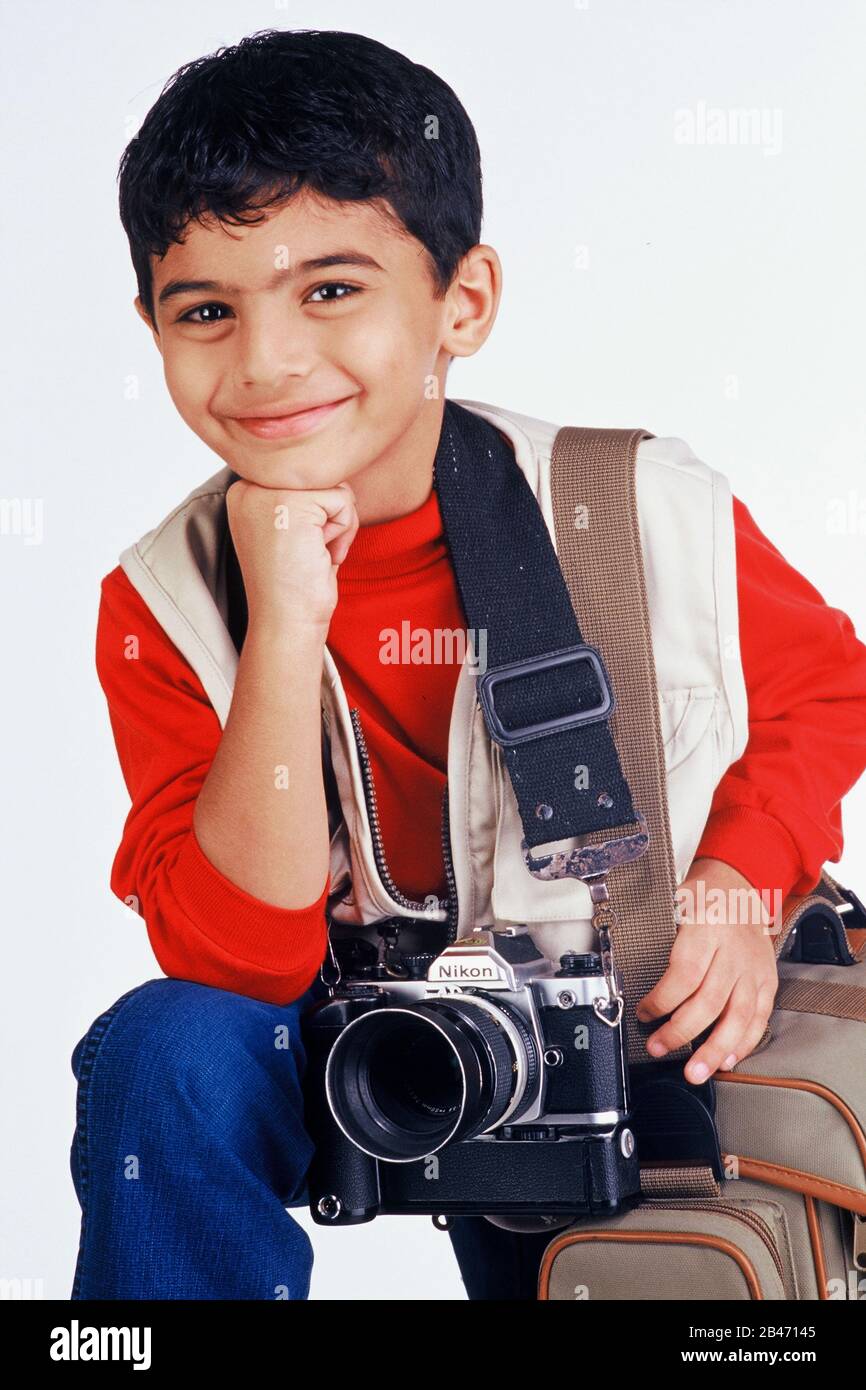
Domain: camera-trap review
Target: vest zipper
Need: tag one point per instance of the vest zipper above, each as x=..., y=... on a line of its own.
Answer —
x=451, y=900
x=749, y=1218
x=378, y=846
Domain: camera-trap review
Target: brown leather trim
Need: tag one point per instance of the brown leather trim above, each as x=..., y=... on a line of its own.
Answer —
x=799, y=1084
x=822, y=1189
x=657, y=1237
x=817, y=1241
x=856, y=939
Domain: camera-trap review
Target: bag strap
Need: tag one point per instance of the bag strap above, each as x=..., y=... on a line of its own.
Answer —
x=822, y=997
x=598, y=544
x=599, y=548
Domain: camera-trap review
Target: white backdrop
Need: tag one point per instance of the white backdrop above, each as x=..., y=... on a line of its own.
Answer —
x=709, y=290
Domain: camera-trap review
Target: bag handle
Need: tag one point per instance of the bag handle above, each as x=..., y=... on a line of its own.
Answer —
x=830, y=922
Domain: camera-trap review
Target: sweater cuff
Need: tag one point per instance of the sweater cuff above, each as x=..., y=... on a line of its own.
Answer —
x=759, y=847
x=255, y=931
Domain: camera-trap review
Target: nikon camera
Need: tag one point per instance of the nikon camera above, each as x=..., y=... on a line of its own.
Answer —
x=476, y=1081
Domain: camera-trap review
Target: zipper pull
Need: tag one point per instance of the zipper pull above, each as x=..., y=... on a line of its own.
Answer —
x=329, y=971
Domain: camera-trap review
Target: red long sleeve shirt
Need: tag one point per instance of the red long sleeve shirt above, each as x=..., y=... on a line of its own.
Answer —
x=775, y=815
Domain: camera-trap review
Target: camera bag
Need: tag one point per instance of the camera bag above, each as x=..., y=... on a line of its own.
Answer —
x=776, y=1208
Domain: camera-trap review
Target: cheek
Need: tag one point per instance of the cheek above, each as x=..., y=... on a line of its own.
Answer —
x=188, y=385
x=396, y=368
x=399, y=346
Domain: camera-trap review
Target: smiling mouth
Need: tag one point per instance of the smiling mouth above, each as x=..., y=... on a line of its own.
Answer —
x=283, y=426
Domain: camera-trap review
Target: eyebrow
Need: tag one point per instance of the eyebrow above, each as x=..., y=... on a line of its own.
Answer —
x=357, y=258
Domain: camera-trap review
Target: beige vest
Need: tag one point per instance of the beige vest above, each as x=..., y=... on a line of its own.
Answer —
x=687, y=534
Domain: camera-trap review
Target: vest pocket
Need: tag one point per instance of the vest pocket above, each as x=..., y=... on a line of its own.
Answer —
x=685, y=717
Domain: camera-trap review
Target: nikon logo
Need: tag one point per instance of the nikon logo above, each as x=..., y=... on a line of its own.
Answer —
x=460, y=970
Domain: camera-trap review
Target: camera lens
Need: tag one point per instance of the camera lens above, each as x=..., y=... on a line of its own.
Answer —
x=418, y=1075
x=403, y=1081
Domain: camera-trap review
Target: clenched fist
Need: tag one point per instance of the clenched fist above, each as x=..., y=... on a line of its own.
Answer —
x=289, y=543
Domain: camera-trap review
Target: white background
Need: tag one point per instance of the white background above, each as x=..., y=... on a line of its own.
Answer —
x=714, y=292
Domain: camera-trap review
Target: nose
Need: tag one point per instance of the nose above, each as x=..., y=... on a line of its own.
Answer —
x=271, y=346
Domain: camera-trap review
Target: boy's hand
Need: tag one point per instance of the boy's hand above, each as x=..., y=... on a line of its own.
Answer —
x=289, y=543
x=724, y=969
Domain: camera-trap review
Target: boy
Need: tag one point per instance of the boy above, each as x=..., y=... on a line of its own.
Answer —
x=304, y=214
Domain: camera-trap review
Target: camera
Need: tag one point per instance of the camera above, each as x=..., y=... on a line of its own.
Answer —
x=481, y=1079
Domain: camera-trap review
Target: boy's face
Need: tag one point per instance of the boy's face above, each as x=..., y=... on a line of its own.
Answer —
x=270, y=337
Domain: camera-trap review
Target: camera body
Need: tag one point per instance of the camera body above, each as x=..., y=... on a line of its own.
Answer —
x=479, y=1080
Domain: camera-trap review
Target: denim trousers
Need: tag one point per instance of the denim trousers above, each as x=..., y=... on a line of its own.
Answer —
x=189, y=1147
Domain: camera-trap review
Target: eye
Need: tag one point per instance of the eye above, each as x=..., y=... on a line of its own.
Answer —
x=199, y=309
x=335, y=285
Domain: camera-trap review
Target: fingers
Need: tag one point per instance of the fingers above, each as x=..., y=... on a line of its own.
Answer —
x=339, y=548
x=338, y=504
x=755, y=1031
x=727, y=1036
x=691, y=955
x=725, y=1040
x=340, y=525
x=722, y=996
x=346, y=525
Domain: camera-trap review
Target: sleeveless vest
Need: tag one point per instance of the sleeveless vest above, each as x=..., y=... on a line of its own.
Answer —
x=687, y=537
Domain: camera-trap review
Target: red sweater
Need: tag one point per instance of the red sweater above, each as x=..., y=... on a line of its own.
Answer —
x=775, y=815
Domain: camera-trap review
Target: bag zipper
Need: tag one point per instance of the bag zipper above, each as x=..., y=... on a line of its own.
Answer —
x=450, y=902
x=749, y=1218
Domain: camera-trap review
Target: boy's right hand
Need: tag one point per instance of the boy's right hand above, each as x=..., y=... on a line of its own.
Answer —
x=289, y=542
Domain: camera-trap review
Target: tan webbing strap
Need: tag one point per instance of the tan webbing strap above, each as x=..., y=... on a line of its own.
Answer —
x=685, y=1180
x=821, y=997
x=599, y=550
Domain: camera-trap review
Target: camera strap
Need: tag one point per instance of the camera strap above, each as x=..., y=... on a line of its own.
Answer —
x=572, y=748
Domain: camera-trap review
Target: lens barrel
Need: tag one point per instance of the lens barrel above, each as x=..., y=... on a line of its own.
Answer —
x=404, y=1080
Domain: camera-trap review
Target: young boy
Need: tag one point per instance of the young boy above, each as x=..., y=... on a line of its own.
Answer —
x=304, y=213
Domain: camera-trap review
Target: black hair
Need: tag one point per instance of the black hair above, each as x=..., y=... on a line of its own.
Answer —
x=245, y=127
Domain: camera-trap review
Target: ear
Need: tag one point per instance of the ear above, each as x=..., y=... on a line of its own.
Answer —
x=472, y=301
x=145, y=316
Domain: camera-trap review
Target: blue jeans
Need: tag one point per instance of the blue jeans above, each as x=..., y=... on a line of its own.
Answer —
x=189, y=1145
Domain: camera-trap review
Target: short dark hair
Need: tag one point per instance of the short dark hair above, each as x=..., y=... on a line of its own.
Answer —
x=246, y=127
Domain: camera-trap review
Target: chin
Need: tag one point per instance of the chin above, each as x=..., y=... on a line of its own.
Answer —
x=303, y=465
x=282, y=474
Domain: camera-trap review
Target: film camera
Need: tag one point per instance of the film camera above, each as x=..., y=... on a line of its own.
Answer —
x=482, y=1078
